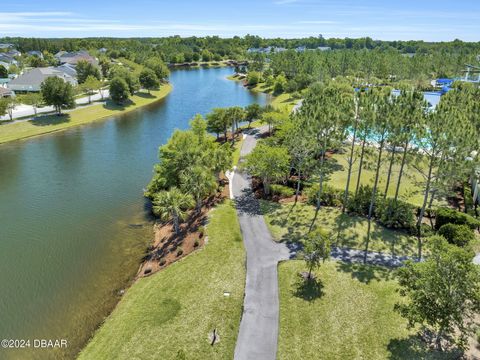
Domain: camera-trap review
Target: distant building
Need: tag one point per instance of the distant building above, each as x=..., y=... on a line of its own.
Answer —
x=12, y=53
x=266, y=50
x=35, y=53
x=73, y=58
x=301, y=49
x=102, y=50
x=7, y=60
x=6, y=46
x=33, y=79
x=324, y=48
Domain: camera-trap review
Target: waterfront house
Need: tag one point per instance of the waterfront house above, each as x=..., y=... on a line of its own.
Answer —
x=32, y=79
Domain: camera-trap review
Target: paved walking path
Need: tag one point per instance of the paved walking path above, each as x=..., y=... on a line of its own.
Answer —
x=258, y=334
x=23, y=110
x=257, y=338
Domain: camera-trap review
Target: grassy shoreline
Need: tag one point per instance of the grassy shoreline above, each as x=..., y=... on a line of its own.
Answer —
x=53, y=123
x=171, y=313
x=283, y=101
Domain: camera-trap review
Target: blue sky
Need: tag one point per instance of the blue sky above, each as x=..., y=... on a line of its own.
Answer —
x=380, y=19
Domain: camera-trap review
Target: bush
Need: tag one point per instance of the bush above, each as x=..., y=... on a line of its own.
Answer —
x=395, y=214
x=330, y=196
x=201, y=231
x=452, y=216
x=253, y=78
x=460, y=235
x=179, y=252
x=195, y=244
x=282, y=190
x=360, y=203
x=162, y=262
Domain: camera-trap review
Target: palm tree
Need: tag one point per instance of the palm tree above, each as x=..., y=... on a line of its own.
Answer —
x=200, y=183
x=172, y=204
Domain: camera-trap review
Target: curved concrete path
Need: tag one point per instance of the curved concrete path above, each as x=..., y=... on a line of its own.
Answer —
x=257, y=338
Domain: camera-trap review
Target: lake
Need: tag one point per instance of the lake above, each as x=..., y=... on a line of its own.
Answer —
x=73, y=222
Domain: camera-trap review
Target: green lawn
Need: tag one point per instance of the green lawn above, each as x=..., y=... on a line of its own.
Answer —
x=347, y=314
x=236, y=152
x=347, y=231
x=169, y=315
x=411, y=188
x=54, y=123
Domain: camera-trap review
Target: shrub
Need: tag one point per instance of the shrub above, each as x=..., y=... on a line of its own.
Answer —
x=395, y=214
x=201, y=231
x=253, y=78
x=179, y=252
x=195, y=244
x=360, y=203
x=282, y=190
x=330, y=196
x=452, y=216
x=162, y=262
x=460, y=235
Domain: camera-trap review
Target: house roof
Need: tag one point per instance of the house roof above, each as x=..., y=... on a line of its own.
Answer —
x=32, y=79
x=74, y=58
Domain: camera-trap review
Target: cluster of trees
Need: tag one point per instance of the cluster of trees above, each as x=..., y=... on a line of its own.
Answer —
x=127, y=79
x=176, y=49
x=393, y=128
x=220, y=120
x=191, y=164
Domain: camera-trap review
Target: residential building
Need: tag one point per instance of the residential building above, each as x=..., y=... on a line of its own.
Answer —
x=33, y=79
x=324, y=48
x=35, y=53
x=73, y=58
x=6, y=46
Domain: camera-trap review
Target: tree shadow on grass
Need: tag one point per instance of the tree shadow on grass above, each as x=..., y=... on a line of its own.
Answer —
x=145, y=95
x=50, y=120
x=308, y=290
x=111, y=105
x=366, y=273
x=414, y=348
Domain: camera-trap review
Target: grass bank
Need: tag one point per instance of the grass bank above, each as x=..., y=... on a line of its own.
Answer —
x=53, y=123
x=347, y=314
x=170, y=314
x=283, y=101
x=348, y=231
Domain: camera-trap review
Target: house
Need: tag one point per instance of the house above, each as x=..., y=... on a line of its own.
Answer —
x=5, y=64
x=324, y=48
x=59, y=54
x=301, y=49
x=33, y=79
x=7, y=60
x=67, y=69
x=35, y=53
x=12, y=53
x=102, y=50
x=6, y=46
x=73, y=58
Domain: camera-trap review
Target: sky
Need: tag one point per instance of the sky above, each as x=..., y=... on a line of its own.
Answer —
x=439, y=20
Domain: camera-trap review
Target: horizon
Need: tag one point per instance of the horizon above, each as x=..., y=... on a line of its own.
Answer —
x=430, y=21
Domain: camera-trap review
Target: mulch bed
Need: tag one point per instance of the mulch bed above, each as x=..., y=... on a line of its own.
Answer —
x=168, y=247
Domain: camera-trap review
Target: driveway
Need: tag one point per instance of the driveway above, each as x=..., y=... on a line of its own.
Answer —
x=257, y=338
